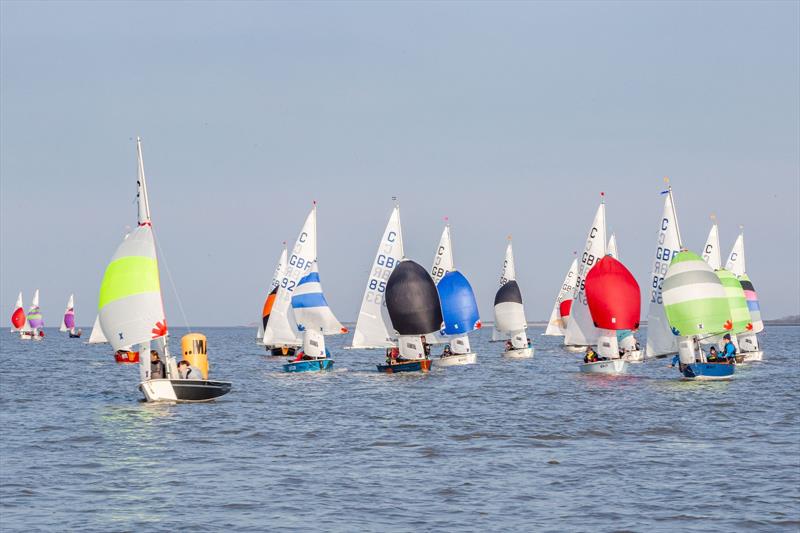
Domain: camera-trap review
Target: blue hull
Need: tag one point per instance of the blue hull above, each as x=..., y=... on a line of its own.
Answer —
x=708, y=371
x=423, y=365
x=314, y=365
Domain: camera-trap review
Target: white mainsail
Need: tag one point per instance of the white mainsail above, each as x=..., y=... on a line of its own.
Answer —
x=611, y=249
x=711, y=249
x=276, y=279
x=735, y=262
x=281, y=328
x=18, y=307
x=443, y=259
x=97, y=336
x=580, y=329
x=557, y=326
x=660, y=339
x=371, y=330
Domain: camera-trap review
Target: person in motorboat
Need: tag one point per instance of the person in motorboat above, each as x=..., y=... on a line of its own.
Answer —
x=187, y=371
x=156, y=366
x=447, y=350
x=591, y=356
x=728, y=348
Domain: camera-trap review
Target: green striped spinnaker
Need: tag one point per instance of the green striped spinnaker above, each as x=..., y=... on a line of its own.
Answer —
x=694, y=298
x=736, y=300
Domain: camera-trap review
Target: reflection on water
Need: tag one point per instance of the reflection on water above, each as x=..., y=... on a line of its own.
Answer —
x=502, y=445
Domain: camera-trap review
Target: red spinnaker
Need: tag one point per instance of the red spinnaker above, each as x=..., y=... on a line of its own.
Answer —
x=613, y=295
x=18, y=318
x=564, y=308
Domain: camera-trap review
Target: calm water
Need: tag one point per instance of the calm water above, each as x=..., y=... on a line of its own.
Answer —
x=504, y=445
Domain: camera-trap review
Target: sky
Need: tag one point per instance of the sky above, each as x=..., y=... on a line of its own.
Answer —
x=508, y=118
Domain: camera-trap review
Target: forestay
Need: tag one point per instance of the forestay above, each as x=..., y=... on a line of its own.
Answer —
x=371, y=330
x=660, y=340
x=580, y=329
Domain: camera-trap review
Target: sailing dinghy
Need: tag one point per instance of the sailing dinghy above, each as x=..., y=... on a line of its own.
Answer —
x=18, y=318
x=283, y=350
x=412, y=302
x=614, y=301
x=31, y=329
x=629, y=347
x=68, y=320
x=696, y=306
x=748, y=347
x=509, y=313
x=559, y=317
x=459, y=308
x=371, y=331
x=131, y=311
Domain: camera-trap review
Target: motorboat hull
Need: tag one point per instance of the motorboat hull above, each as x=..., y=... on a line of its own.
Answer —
x=611, y=367
x=420, y=365
x=518, y=353
x=310, y=365
x=183, y=390
x=707, y=371
x=456, y=359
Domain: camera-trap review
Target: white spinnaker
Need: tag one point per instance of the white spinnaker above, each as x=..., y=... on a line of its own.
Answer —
x=371, y=330
x=281, y=328
x=660, y=339
x=130, y=320
x=508, y=273
x=443, y=260
x=276, y=279
x=735, y=261
x=556, y=326
x=711, y=249
x=70, y=305
x=580, y=327
x=611, y=249
x=97, y=336
x=509, y=317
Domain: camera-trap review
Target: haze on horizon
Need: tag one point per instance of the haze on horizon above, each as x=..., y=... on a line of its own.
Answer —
x=509, y=118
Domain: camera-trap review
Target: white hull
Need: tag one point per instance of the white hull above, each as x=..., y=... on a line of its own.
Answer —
x=611, y=367
x=457, y=359
x=518, y=353
x=750, y=357
x=183, y=390
x=636, y=356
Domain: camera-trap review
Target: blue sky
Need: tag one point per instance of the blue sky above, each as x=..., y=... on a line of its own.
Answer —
x=506, y=117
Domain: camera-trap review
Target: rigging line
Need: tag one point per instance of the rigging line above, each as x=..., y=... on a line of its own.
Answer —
x=171, y=281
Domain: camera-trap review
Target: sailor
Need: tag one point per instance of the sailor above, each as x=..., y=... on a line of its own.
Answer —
x=447, y=350
x=590, y=356
x=187, y=371
x=156, y=366
x=713, y=356
x=509, y=346
x=728, y=349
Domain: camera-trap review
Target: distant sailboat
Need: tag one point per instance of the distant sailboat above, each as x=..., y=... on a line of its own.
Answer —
x=18, y=318
x=696, y=305
x=35, y=321
x=266, y=310
x=626, y=338
x=97, y=336
x=68, y=321
x=580, y=329
x=132, y=317
x=509, y=313
x=749, y=348
x=660, y=340
x=614, y=302
x=557, y=325
x=414, y=310
x=371, y=330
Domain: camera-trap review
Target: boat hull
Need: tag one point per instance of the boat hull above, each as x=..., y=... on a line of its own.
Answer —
x=636, y=356
x=183, y=390
x=574, y=349
x=127, y=358
x=612, y=367
x=750, y=357
x=421, y=365
x=708, y=371
x=519, y=353
x=311, y=365
x=457, y=359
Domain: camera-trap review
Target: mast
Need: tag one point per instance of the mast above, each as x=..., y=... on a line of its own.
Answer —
x=141, y=187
